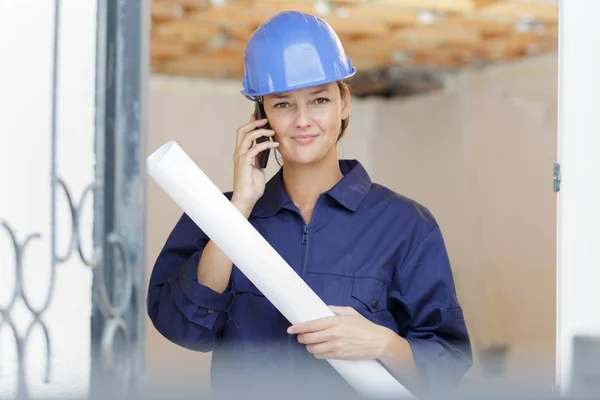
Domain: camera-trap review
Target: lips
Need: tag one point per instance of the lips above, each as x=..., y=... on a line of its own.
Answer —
x=304, y=139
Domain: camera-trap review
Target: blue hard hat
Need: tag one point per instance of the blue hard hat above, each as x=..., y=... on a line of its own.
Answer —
x=293, y=50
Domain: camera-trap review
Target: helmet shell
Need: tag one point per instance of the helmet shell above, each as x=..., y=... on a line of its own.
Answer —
x=293, y=50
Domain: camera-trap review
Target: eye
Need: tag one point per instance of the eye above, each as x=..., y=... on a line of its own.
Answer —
x=281, y=105
x=321, y=100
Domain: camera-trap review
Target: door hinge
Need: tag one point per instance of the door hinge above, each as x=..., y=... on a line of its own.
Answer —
x=556, y=177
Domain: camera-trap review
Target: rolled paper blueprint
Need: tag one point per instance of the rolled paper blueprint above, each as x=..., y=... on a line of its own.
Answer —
x=206, y=205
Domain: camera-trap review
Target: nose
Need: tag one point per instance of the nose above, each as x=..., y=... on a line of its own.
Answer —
x=303, y=117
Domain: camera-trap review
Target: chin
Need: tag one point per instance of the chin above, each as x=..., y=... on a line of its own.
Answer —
x=302, y=159
x=305, y=157
x=308, y=154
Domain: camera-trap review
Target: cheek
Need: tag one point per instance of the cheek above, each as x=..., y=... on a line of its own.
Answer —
x=329, y=122
x=280, y=123
x=279, y=131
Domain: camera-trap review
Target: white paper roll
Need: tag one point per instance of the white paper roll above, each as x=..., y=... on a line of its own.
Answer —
x=206, y=205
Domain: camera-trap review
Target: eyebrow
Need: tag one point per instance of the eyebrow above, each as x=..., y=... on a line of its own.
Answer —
x=317, y=91
x=285, y=95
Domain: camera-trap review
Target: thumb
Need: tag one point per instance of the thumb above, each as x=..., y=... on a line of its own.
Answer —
x=343, y=311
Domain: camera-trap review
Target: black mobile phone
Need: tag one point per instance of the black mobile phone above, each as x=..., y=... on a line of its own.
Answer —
x=263, y=156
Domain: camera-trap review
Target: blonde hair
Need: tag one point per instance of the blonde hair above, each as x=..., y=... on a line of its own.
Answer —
x=344, y=88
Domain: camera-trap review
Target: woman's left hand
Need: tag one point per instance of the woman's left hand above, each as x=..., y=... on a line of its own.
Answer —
x=346, y=336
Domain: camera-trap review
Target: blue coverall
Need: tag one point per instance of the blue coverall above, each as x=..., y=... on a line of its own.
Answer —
x=366, y=247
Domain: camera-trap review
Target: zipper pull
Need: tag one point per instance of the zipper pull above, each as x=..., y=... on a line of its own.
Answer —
x=305, y=234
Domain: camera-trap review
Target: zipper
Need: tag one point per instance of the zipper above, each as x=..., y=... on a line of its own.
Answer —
x=304, y=242
x=305, y=235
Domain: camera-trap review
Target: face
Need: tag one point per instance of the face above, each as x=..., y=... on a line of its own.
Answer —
x=307, y=122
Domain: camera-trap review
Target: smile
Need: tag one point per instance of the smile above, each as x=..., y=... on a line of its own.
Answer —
x=304, y=139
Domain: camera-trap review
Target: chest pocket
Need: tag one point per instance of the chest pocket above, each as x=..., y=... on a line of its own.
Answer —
x=371, y=294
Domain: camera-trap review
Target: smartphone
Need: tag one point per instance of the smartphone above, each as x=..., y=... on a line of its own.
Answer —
x=263, y=156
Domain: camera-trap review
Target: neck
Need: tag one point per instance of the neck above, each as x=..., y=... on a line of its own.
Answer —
x=304, y=183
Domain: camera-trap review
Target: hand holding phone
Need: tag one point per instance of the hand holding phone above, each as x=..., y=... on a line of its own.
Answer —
x=263, y=156
x=248, y=177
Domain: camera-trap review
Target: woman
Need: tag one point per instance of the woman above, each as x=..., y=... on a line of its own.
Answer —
x=376, y=257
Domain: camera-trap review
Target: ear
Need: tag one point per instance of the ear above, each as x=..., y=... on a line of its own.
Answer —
x=346, y=104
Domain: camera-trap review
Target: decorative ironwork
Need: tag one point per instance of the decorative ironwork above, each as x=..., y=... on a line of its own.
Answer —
x=117, y=259
x=75, y=212
x=19, y=292
x=19, y=249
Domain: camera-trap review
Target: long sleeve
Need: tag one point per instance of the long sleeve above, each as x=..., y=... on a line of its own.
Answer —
x=430, y=316
x=182, y=310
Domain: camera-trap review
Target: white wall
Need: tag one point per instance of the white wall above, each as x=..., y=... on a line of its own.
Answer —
x=579, y=215
x=26, y=32
x=479, y=155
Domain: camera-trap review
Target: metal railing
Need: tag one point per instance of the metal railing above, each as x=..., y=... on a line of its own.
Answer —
x=118, y=192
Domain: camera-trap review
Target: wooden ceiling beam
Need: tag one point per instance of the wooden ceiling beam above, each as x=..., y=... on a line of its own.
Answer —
x=517, y=10
x=367, y=63
x=238, y=32
x=377, y=13
x=347, y=26
x=484, y=3
x=374, y=46
x=307, y=6
x=234, y=14
x=167, y=49
x=185, y=4
x=433, y=5
x=519, y=40
x=207, y=64
x=164, y=11
x=485, y=27
x=201, y=38
x=197, y=72
x=439, y=34
x=186, y=29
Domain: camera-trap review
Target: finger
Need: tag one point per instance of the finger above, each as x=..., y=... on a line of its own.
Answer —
x=320, y=349
x=312, y=326
x=345, y=311
x=326, y=356
x=244, y=129
x=314, y=337
x=247, y=141
x=253, y=152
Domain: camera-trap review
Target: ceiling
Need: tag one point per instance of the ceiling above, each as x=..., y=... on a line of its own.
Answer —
x=206, y=38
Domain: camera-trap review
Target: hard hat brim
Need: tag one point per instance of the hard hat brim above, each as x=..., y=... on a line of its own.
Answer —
x=254, y=95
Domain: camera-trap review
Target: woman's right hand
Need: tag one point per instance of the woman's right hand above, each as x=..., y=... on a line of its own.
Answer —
x=248, y=178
